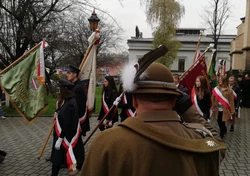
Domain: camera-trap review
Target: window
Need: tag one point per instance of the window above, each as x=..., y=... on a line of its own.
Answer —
x=181, y=64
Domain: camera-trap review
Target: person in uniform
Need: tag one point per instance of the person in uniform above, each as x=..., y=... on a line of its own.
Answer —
x=81, y=97
x=68, y=148
x=109, y=94
x=155, y=141
x=126, y=105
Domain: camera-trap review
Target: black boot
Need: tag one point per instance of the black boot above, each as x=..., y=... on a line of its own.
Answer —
x=232, y=128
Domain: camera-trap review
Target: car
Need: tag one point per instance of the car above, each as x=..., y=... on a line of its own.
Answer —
x=99, y=83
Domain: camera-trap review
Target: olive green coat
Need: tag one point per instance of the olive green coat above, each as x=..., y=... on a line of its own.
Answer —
x=150, y=145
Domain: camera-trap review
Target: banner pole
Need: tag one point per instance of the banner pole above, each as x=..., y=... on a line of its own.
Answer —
x=183, y=74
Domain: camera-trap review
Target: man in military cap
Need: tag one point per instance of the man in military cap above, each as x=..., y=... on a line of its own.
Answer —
x=81, y=97
x=155, y=141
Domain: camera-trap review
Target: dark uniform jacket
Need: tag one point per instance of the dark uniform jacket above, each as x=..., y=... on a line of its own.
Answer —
x=109, y=96
x=205, y=104
x=124, y=106
x=68, y=120
x=152, y=144
x=81, y=98
x=236, y=89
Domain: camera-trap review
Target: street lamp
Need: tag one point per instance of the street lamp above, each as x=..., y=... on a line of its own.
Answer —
x=93, y=21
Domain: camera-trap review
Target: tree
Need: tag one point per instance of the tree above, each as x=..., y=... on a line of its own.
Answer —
x=215, y=16
x=165, y=14
x=18, y=22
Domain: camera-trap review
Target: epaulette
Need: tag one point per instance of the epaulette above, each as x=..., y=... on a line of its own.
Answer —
x=199, y=128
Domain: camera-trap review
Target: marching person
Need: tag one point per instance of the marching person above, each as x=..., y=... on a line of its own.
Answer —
x=201, y=97
x=81, y=97
x=156, y=143
x=68, y=148
x=237, y=97
x=109, y=94
x=222, y=104
x=126, y=105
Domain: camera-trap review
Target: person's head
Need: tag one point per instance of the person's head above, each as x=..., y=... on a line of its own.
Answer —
x=231, y=80
x=109, y=82
x=239, y=78
x=201, y=82
x=223, y=81
x=155, y=90
x=176, y=79
x=246, y=77
x=65, y=90
x=72, y=73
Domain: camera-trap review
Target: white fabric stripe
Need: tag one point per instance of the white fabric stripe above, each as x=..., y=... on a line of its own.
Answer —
x=235, y=95
x=129, y=111
x=197, y=106
x=58, y=125
x=220, y=94
x=82, y=119
x=104, y=103
x=72, y=156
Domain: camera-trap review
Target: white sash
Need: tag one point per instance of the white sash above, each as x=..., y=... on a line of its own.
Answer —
x=71, y=160
x=129, y=111
x=217, y=93
x=195, y=103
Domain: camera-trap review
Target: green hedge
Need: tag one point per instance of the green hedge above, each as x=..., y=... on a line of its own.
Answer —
x=52, y=102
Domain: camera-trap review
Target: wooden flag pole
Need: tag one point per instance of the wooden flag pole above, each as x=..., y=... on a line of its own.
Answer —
x=85, y=56
x=197, y=46
x=46, y=140
x=185, y=73
x=101, y=121
x=211, y=59
x=20, y=58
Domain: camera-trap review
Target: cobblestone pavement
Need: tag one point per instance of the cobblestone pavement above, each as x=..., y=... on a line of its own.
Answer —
x=23, y=143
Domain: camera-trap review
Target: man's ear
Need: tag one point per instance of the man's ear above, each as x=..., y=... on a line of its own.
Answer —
x=135, y=103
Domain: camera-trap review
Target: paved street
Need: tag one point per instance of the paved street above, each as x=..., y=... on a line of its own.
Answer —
x=23, y=143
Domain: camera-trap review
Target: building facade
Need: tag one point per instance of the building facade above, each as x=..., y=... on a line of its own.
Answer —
x=189, y=38
x=240, y=45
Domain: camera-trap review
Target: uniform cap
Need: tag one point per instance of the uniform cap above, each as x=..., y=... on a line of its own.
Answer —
x=73, y=69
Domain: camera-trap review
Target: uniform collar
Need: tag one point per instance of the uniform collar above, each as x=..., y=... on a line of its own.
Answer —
x=159, y=116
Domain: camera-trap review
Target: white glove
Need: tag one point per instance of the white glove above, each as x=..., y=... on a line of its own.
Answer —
x=117, y=100
x=58, y=143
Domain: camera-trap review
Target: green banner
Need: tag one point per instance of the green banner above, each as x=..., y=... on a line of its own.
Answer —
x=20, y=83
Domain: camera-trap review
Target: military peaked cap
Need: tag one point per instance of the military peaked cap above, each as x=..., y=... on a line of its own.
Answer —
x=73, y=69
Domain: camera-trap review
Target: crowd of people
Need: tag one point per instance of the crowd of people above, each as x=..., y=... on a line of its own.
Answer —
x=161, y=125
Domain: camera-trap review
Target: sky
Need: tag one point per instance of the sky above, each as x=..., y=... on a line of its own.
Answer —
x=131, y=13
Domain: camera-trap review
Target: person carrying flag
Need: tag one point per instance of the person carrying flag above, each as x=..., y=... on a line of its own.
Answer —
x=81, y=97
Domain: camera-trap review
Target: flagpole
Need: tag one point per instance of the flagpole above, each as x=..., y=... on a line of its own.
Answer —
x=101, y=121
x=85, y=56
x=46, y=140
x=20, y=58
x=197, y=46
x=184, y=74
x=211, y=59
